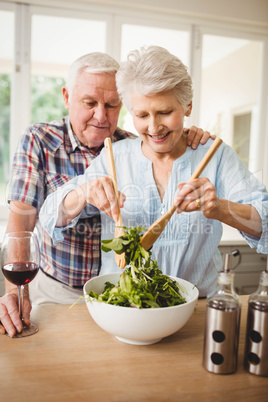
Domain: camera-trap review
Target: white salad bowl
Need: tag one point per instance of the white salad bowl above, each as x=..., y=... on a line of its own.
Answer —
x=139, y=326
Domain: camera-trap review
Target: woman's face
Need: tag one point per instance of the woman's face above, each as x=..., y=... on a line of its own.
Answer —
x=158, y=118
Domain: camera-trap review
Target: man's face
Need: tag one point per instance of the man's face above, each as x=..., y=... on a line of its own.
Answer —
x=94, y=108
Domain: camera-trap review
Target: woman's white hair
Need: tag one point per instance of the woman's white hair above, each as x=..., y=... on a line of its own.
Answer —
x=151, y=70
x=93, y=63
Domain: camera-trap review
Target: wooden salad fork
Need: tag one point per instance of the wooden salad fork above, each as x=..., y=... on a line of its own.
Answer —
x=154, y=231
x=119, y=230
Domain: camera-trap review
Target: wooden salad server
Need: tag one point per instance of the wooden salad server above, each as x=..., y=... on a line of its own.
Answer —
x=119, y=230
x=154, y=231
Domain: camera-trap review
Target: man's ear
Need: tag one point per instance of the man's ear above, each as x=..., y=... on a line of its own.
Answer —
x=189, y=109
x=65, y=95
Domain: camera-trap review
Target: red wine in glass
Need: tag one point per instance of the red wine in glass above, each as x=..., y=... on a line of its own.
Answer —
x=20, y=273
x=20, y=258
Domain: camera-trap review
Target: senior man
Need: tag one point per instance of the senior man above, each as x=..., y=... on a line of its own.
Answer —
x=49, y=155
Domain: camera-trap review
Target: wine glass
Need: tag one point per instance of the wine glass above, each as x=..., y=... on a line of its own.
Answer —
x=20, y=260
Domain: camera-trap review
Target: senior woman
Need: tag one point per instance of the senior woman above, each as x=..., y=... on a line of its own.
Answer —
x=152, y=174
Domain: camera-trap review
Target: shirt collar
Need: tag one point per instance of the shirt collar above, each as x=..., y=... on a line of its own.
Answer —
x=71, y=141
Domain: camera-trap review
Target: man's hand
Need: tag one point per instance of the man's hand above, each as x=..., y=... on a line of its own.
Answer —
x=10, y=321
x=197, y=135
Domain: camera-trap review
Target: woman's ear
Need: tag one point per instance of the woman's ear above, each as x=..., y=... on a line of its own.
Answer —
x=189, y=109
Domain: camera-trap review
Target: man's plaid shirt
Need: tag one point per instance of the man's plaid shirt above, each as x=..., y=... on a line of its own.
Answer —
x=49, y=155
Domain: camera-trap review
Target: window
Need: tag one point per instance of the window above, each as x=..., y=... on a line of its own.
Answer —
x=52, y=51
x=6, y=68
x=135, y=36
x=228, y=65
x=175, y=40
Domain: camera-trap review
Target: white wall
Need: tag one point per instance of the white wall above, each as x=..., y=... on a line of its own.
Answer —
x=236, y=72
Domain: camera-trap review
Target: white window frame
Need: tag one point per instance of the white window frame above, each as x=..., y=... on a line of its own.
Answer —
x=20, y=108
x=22, y=84
x=155, y=22
x=4, y=211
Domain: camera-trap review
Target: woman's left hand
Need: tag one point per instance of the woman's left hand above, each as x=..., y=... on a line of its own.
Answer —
x=198, y=195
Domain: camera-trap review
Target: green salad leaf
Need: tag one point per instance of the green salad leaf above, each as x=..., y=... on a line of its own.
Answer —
x=142, y=284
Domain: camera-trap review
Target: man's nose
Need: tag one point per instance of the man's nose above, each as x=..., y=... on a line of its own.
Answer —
x=100, y=113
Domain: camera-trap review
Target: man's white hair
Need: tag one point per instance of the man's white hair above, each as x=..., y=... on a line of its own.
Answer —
x=93, y=63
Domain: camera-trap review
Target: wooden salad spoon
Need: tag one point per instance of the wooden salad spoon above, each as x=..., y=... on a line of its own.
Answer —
x=119, y=230
x=154, y=231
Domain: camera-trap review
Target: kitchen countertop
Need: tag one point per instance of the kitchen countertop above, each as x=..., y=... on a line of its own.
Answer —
x=231, y=236
x=72, y=359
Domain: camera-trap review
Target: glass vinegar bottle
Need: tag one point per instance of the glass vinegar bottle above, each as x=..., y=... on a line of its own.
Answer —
x=222, y=325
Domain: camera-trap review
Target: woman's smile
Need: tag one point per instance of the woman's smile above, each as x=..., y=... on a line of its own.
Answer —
x=159, y=137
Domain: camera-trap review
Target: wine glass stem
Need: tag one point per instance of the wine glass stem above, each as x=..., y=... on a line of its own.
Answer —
x=20, y=299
